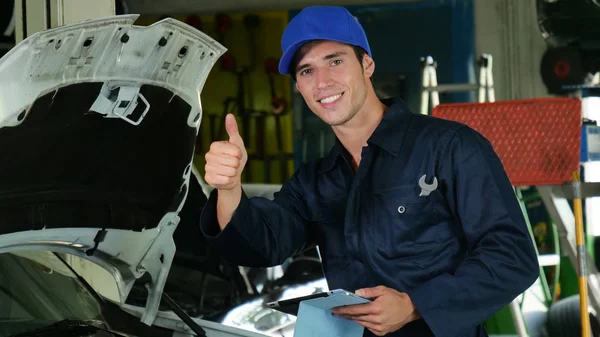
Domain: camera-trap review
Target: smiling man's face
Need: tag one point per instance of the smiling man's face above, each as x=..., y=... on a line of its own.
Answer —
x=332, y=80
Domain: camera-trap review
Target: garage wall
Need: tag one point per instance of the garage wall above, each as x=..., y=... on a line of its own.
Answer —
x=159, y=7
x=508, y=30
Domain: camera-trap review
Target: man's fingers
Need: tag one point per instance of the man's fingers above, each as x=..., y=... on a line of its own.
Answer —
x=221, y=170
x=225, y=160
x=359, y=318
x=229, y=161
x=216, y=180
x=356, y=310
x=226, y=148
x=370, y=319
x=371, y=292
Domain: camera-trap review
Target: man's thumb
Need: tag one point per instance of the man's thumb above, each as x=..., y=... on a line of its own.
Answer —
x=232, y=130
x=370, y=292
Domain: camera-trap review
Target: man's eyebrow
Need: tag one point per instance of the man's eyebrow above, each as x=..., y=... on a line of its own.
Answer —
x=334, y=55
x=326, y=57
x=301, y=67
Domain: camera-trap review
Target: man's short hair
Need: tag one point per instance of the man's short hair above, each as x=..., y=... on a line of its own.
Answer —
x=358, y=51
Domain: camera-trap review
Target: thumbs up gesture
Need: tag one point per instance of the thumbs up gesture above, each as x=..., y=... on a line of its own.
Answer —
x=226, y=160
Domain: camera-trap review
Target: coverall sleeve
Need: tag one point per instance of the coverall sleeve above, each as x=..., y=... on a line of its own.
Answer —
x=261, y=232
x=501, y=261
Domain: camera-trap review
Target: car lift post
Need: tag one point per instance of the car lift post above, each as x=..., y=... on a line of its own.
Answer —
x=430, y=89
x=33, y=16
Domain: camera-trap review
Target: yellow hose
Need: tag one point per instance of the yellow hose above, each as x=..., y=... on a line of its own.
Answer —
x=581, y=257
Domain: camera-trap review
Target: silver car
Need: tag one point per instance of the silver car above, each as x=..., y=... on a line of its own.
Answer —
x=98, y=122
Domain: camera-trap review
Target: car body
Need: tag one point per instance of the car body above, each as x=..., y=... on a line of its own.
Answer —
x=98, y=122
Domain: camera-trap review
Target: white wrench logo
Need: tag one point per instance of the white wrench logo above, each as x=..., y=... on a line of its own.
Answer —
x=426, y=189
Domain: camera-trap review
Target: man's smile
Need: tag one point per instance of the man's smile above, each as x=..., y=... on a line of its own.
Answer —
x=330, y=100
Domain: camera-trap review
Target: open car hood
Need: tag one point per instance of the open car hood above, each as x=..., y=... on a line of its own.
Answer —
x=98, y=122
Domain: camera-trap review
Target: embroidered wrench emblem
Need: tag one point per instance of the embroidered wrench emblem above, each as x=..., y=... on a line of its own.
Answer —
x=426, y=189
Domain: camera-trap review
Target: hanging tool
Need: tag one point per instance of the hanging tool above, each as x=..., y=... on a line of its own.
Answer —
x=581, y=256
x=259, y=119
x=259, y=152
x=251, y=23
x=223, y=22
x=212, y=125
x=278, y=108
x=278, y=104
x=227, y=65
x=227, y=62
x=230, y=64
x=240, y=74
x=195, y=21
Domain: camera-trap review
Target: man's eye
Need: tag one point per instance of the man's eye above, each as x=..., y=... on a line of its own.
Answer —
x=305, y=72
x=336, y=62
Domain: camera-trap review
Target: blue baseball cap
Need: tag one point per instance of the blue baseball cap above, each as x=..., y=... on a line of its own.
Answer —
x=333, y=23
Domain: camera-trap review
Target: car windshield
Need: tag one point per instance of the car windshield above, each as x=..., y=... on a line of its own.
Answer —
x=37, y=289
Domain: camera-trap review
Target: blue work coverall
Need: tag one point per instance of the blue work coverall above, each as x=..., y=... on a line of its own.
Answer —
x=461, y=250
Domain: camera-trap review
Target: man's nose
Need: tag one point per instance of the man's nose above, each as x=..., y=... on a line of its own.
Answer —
x=323, y=77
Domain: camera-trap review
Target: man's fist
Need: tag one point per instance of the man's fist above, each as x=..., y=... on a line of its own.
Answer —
x=225, y=160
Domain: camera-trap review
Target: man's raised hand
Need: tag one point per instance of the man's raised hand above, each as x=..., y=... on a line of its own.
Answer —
x=226, y=160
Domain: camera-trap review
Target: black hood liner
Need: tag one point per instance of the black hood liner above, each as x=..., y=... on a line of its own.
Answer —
x=67, y=167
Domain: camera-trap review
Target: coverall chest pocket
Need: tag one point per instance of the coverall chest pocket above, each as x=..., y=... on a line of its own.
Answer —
x=406, y=224
x=330, y=210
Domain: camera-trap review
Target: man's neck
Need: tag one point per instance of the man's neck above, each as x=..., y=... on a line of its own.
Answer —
x=354, y=134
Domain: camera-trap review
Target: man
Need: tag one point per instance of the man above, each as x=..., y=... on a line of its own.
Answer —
x=413, y=212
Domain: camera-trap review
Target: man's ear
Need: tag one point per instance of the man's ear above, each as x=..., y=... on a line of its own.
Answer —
x=368, y=65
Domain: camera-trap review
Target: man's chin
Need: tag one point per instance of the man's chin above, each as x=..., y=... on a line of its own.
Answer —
x=337, y=123
x=332, y=117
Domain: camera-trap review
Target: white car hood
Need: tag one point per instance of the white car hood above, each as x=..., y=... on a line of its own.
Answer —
x=93, y=171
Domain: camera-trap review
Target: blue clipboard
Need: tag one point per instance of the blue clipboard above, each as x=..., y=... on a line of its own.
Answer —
x=314, y=315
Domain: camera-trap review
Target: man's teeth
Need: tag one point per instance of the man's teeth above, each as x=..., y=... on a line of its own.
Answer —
x=331, y=98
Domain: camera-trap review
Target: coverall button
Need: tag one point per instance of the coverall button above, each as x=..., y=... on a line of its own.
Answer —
x=401, y=209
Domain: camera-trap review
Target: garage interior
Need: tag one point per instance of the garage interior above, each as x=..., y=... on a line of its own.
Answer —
x=518, y=54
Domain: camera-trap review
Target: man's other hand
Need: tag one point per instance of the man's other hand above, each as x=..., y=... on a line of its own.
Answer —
x=388, y=311
x=226, y=159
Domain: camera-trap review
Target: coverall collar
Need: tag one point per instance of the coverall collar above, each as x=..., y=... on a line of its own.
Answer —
x=395, y=121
